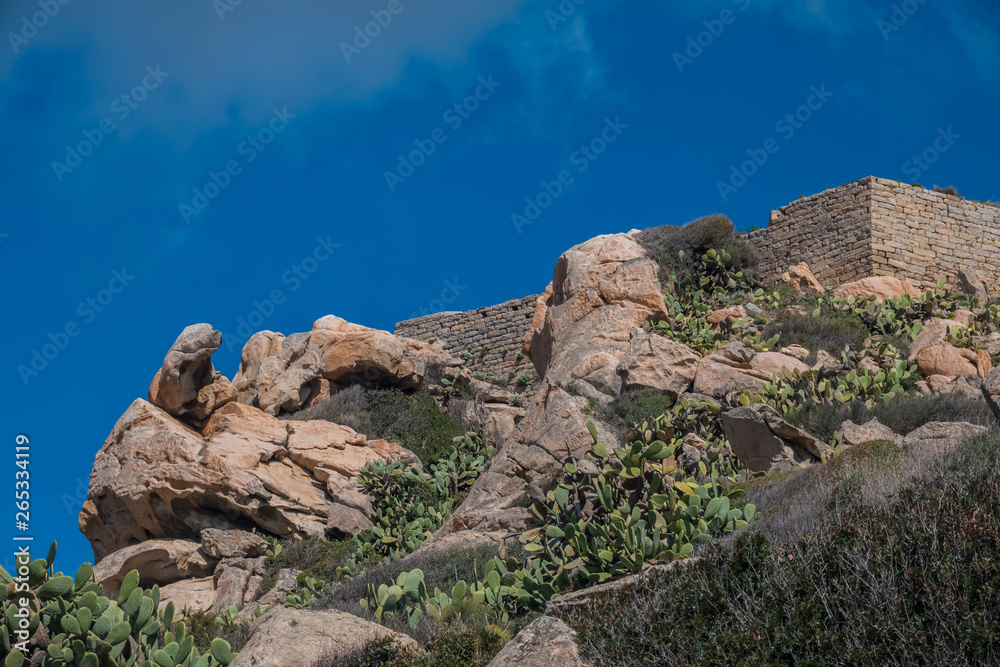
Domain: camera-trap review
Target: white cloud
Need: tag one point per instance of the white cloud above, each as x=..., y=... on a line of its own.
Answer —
x=261, y=55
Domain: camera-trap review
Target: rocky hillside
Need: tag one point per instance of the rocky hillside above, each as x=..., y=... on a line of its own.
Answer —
x=353, y=497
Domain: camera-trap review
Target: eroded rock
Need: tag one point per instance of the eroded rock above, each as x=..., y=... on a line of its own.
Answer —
x=763, y=441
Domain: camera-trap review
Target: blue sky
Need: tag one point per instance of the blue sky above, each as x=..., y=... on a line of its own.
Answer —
x=173, y=163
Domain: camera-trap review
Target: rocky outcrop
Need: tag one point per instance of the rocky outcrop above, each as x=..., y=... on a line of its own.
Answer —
x=259, y=347
x=189, y=595
x=657, y=362
x=802, y=279
x=941, y=436
x=852, y=435
x=881, y=287
x=944, y=359
x=156, y=477
x=763, y=441
x=306, y=637
x=546, y=642
x=972, y=283
x=187, y=385
x=158, y=562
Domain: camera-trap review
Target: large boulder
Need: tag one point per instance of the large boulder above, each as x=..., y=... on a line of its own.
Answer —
x=337, y=354
x=764, y=441
x=545, y=642
x=187, y=385
x=972, y=283
x=941, y=436
x=189, y=595
x=657, y=362
x=305, y=637
x=156, y=477
x=727, y=368
x=801, y=278
x=259, y=347
x=881, y=287
x=232, y=543
x=852, y=435
x=157, y=561
x=602, y=290
x=945, y=359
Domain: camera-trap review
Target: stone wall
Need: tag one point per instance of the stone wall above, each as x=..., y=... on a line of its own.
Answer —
x=926, y=236
x=492, y=336
x=881, y=227
x=830, y=231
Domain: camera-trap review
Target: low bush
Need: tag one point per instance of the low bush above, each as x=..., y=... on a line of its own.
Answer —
x=474, y=647
x=831, y=331
x=414, y=420
x=666, y=243
x=632, y=407
x=907, y=581
x=902, y=415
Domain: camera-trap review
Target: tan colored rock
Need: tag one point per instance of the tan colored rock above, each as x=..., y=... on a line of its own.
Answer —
x=187, y=385
x=764, y=441
x=720, y=316
x=727, y=368
x=258, y=347
x=657, y=362
x=545, y=642
x=776, y=363
x=233, y=577
x=983, y=363
x=941, y=436
x=802, y=279
x=287, y=582
x=881, y=287
x=870, y=365
x=232, y=543
x=305, y=637
x=358, y=355
x=963, y=317
x=188, y=595
x=934, y=331
x=602, y=290
x=157, y=477
x=944, y=359
x=852, y=435
x=158, y=562
x=826, y=363
x=283, y=379
x=974, y=284
x=796, y=351
x=541, y=305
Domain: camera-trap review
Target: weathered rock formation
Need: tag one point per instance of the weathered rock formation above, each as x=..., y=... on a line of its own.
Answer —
x=305, y=637
x=764, y=441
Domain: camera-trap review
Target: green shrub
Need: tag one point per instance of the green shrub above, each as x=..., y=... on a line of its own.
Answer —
x=902, y=415
x=905, y=583
x=666, y=243
x=473, y=647
x=831, y=331
x=414, y=420
x=632, y=407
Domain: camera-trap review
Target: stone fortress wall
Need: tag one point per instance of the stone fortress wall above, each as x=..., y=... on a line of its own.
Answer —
x=493, y=335
x=870, y=227
x=881, y=227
